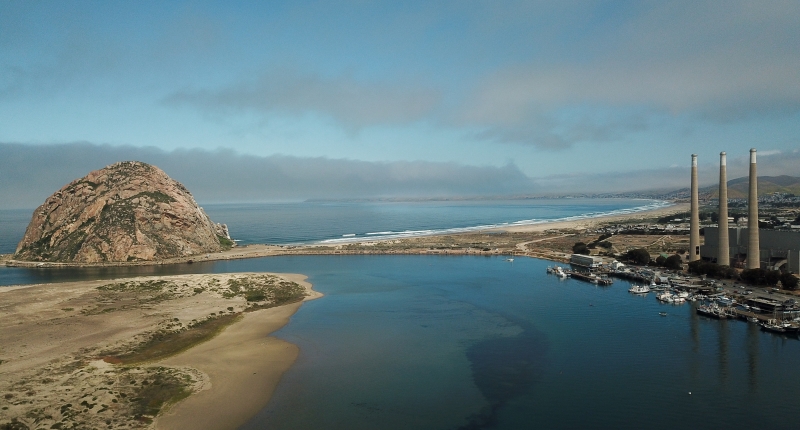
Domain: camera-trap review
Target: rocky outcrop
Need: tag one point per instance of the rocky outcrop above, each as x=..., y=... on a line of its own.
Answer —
x=128, y=211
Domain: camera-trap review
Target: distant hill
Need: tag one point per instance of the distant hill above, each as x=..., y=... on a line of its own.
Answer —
x=739, y=188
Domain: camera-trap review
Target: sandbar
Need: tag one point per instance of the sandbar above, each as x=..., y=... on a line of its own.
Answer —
x=244, y=366
x=59, y=345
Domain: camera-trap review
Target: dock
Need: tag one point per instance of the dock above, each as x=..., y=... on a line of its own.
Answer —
x=590, y=277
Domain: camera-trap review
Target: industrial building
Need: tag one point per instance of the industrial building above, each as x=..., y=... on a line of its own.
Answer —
x=585, y=261
x=779, y=249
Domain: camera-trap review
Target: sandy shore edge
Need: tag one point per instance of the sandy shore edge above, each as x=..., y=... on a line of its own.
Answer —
x=54, y=339
x=589, y=223
x=244, y=365
x=263, y=250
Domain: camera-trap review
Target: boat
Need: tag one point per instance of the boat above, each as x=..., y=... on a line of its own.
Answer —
x=752, y=319
x=712, y=310
x=663, y=314
x=773, y=326
x=665, y=297
x=725, y=301
x=561, y=273
x=510, y=260
x=639, y=289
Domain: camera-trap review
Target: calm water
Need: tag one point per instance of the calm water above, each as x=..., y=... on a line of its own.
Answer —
x=445, y=342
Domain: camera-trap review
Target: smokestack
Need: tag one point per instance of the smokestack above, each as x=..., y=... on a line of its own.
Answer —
x=694, y=226
x=753, y=251
x=723, y=256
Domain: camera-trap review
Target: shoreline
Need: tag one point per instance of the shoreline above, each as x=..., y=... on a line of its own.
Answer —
x=244, y=365
x=59, y=343
x=266, y=250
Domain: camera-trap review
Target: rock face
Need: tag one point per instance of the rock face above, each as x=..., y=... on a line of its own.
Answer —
x=128, y=211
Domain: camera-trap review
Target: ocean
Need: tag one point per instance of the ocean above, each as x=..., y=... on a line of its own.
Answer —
x=337, y=221
x=473, y=342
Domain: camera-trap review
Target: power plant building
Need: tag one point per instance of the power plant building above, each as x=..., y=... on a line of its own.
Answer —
x=779, y=249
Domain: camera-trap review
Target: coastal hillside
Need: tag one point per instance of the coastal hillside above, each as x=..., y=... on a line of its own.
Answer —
x=128, y=211
x=738, y=188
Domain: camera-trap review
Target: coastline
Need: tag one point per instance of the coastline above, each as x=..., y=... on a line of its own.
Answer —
x=265, y=250
x=244, y=365
x=65, y=344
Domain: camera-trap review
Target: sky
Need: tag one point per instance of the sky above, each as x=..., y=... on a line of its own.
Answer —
x=294, y=100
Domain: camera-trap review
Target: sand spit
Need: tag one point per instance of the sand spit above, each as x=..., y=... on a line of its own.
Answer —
x=58, y=343
x=416, y=245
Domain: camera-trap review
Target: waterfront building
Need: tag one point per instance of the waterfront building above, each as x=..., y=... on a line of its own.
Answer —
x=585, y=261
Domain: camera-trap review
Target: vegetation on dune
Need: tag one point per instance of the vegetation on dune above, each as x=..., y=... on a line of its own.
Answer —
x=163, y=343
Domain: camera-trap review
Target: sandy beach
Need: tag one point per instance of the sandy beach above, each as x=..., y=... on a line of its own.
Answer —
x=590, y=223
x=68, y=351
x=244, y=366
x=259, y=250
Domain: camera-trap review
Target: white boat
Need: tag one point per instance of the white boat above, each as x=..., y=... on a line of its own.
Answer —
x=561, y=273
x=639, y=289
x=725, y=301
x=510, y=260
x=665, y=297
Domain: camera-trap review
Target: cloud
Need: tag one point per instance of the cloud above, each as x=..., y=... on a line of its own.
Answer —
x=32, y=172
x=353, y=103
x=710, y=61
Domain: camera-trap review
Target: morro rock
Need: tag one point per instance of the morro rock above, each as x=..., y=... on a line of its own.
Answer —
x=128, y=211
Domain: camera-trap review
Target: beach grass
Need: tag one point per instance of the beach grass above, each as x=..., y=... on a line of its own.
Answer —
x=166, y=344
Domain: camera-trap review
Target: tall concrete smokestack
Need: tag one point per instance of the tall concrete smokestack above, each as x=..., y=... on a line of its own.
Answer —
x=723, y=257
x=694, y=226
x=753, y=252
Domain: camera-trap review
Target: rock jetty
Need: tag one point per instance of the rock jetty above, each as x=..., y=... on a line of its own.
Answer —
x=128, y=211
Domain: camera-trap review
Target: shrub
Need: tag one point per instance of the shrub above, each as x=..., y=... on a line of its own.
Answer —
x=580, y=248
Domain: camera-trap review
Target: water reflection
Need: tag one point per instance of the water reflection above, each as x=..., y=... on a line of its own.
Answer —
x=752, y=357
x=724, y=340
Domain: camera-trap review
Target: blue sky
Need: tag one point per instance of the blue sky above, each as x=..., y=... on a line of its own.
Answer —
x=589, y=91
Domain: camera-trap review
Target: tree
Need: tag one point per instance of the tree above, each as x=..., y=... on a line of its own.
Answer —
x=751, y=276
x=638, y=256
x=580, y=248
x=771, y=277
x=661, y=260
x=789, y=281
x=673, y=262
x=761, y=276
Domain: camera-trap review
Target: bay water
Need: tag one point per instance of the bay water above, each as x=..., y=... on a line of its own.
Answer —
x=470, y=342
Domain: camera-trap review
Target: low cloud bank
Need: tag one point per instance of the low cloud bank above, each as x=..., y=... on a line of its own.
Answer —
x=30, y=173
